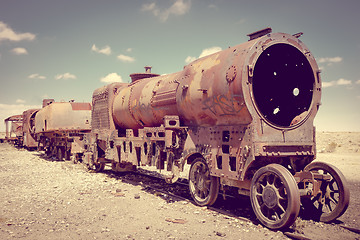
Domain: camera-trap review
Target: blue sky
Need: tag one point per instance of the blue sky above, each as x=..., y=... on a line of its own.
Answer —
x=66, y=49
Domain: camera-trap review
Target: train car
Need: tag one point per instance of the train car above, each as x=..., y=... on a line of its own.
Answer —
x=14, y=130
x=60, y=127
x=241, y=117
x=28, y=130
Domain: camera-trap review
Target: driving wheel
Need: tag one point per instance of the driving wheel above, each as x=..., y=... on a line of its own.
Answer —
x=275, y=197
x=96, y=165
x=204, y=188
x=334, y=196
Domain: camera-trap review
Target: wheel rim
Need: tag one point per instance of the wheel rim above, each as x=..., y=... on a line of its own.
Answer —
x=335, y=195
x=203, y=187
x=97, y=167
x=274, y=197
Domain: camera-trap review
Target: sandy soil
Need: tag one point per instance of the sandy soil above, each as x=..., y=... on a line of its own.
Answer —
x=45, y=199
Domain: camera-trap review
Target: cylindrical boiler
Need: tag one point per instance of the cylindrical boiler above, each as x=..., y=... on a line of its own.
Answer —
x=272, y=77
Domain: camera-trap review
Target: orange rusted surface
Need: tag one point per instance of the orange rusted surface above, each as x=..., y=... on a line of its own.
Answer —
x=28, y=131
x=63, y=116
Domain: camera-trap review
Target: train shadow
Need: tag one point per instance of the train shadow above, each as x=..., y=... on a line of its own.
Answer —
x=229, y=203
x=45, y=157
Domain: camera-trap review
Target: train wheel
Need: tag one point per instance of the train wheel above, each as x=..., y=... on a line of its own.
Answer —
x=335, y=195
x=73, y=159
x=96, y=165
x=204, y=188
x=275, y=197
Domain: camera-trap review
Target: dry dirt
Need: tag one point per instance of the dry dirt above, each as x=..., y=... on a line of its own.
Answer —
x=45, y=199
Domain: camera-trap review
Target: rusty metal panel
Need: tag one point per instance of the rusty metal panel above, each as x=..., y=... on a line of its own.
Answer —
x=29, y=128
x=60, y=116
x=270, y=85
x=13, y=126
x=80, y=106
x=231, y=88
x=164, y=96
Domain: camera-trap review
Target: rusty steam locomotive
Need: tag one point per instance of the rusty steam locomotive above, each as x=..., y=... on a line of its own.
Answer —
x=241, y=117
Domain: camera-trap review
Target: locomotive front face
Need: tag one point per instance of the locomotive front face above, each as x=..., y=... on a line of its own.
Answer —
x=283, y=83
x=283, y=90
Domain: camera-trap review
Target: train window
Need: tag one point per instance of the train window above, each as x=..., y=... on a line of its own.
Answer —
x=161, y=134
x=232, y=163
x=219, y=162
x=283, y=82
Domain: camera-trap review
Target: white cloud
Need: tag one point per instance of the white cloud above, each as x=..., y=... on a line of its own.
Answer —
x=339, y=82
x=343, y=81
x=190, y=59
x=7, y=110
x=7, y=33
x=111, y=77
x=105, y=50
x=358, y=81
x=124, y=58
x=65, y=76
x=179, y=7
x=327, y=84
x=205, y=52
x=20, y=101
x=241, y=21
x=129, y=50
x=330, y=60
x=213, y=6
x=36, y=76
x=208, y=51
x=19, y=51
x=148, y=7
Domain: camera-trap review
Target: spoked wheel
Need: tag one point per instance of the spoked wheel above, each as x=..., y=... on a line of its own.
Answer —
x=334, y=198
x=275, y=197
x=97, y=167
x=204, y=188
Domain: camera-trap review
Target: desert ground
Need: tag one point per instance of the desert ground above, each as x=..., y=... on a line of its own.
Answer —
x=45, y=199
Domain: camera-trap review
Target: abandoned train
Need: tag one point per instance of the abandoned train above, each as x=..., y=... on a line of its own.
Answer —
x=241, y=117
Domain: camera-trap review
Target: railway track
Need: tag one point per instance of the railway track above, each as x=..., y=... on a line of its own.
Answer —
x=228, y=204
